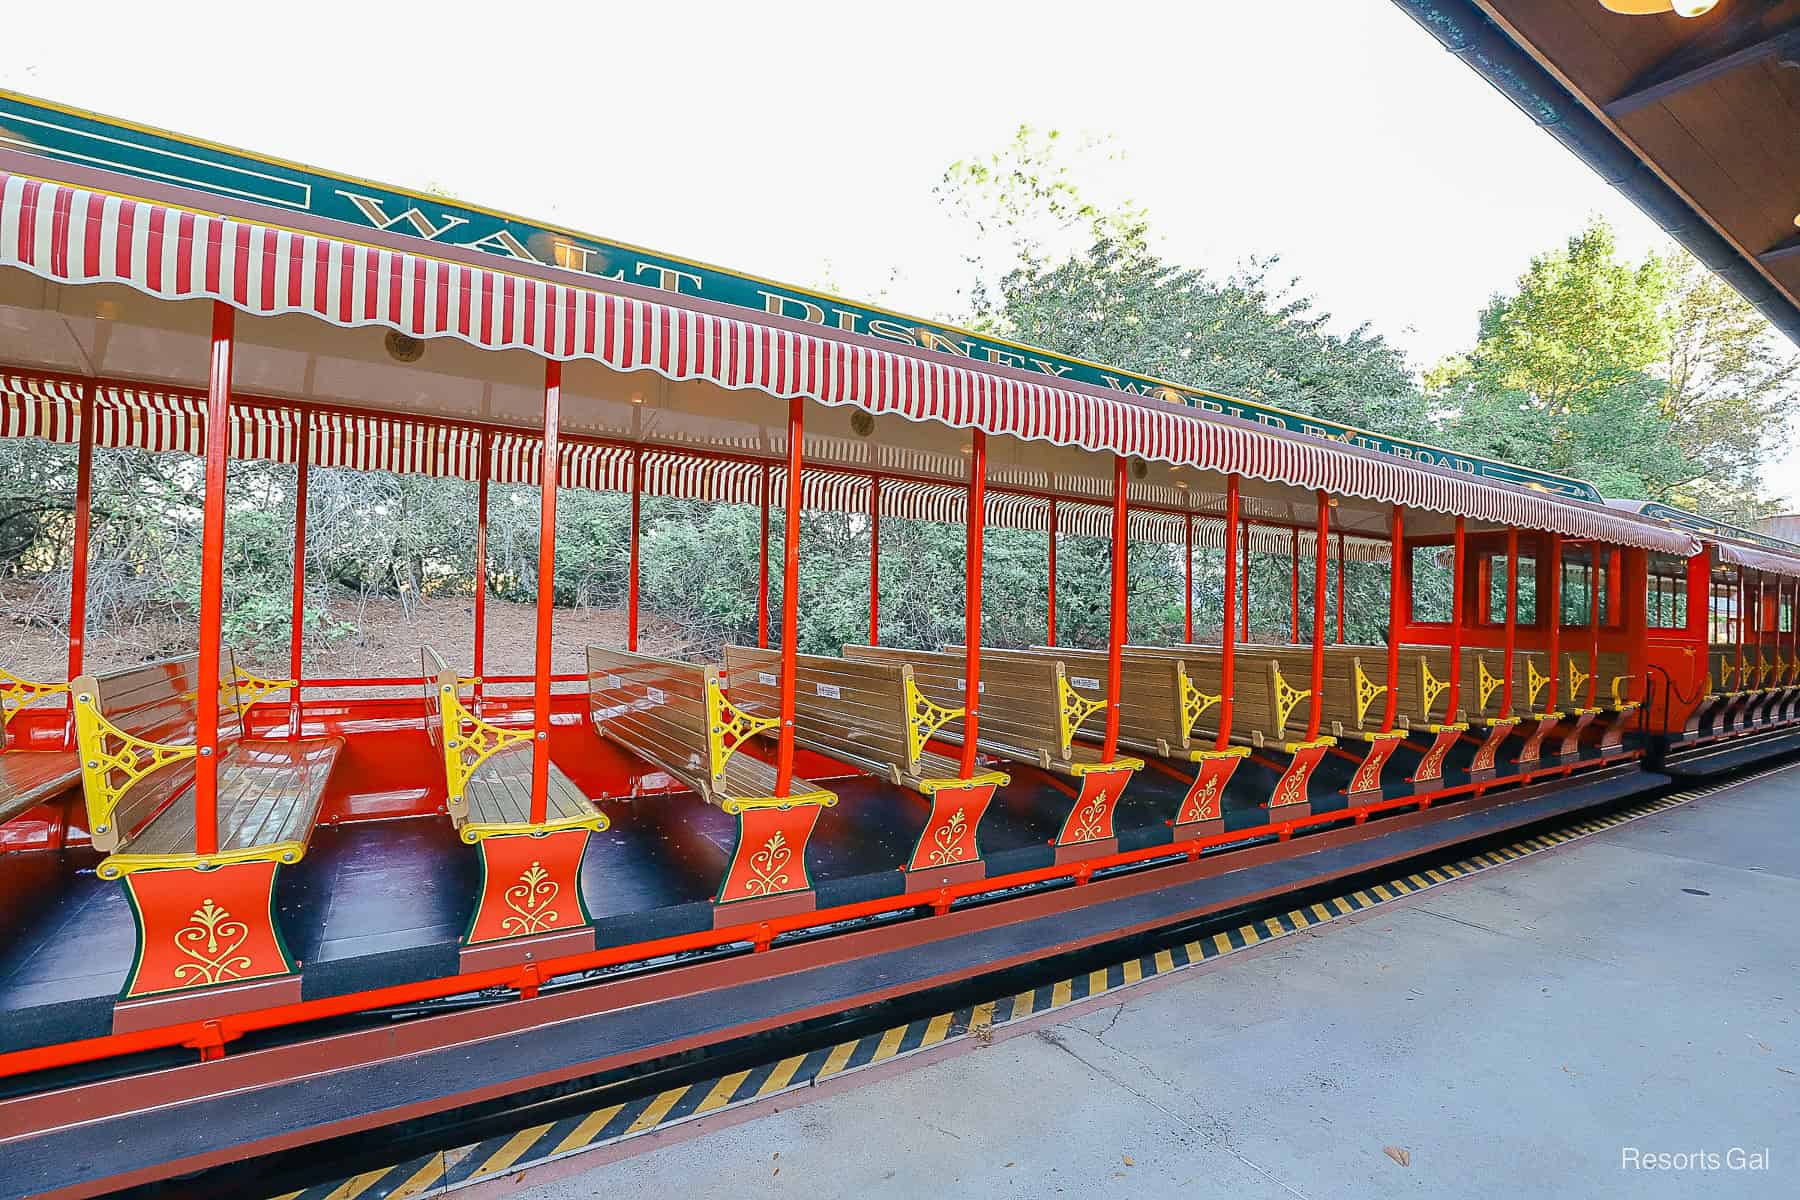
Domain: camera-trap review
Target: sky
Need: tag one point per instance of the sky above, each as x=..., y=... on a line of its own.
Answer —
x=802, y=142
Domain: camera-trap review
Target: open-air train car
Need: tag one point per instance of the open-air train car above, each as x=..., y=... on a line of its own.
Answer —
x=223, y=879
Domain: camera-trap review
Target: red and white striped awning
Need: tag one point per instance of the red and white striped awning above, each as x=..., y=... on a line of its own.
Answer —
x=73, y=235
x=1755, y=558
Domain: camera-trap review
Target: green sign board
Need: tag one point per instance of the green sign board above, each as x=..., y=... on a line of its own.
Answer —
x=70, y=135
x=1709, y=528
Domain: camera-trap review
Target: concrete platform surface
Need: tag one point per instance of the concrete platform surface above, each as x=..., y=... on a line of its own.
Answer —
x=1521, y=1032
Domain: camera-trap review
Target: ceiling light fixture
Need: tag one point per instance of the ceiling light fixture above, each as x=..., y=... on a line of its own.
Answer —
x=1681, y=8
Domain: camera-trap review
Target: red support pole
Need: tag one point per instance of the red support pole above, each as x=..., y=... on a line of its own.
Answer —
x=875, y=561
x=1459, y=541
x=78, y=561
x=1246, y=557
x=977, y=527
x=549, y=477
x=1512, y=616
x=1742, y=595
x=762, y=570
x=1340, y=590
x=1321, y=564
x=1227, y=627
x=637, y=506
x=484, y=470
x=212, y=581
x=1396, y=614
x=297, y=619
x=1115, y=642
x=1050, y=624
x=1594, y=625
x=1294, y=623
x=790, y=599
x=1556, y=548
x=1188, y=597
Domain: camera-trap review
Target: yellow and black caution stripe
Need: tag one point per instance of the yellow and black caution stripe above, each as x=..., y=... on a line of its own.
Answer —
x=446, y=1170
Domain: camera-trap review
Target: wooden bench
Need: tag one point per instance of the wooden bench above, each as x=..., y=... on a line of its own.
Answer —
x=676, y=716
x=530, y=870
x=873, y=716
x=1031, y=708
x=203, y=918
x=30, y=775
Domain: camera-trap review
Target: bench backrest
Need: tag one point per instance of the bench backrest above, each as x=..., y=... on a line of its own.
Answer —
x=1271, y=686
x=1424, y=685
x=660, y=709
x=128, y=779
x=1029, y=704
x=858, y=710
x=1162, y=697
x=1612, y=667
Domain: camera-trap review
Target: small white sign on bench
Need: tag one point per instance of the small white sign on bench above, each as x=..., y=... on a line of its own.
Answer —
x=766, y=679
x=611, y=681
x=962, y=685
x=830, y=691
x=1083, y=681
x=656, y=695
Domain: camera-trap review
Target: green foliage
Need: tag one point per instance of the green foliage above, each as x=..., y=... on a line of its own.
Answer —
x=1653, y=381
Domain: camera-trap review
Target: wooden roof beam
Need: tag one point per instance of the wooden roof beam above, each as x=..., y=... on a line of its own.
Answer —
x=1737, y=44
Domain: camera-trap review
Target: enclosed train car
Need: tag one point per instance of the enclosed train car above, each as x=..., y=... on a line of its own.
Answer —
x=247, y=910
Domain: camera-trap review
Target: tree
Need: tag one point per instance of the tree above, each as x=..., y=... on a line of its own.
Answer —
x=1651, y=380
x=1060, y=270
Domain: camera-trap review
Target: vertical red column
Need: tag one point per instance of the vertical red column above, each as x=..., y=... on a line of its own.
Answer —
x=1227, y=627
x=977, y=527
x=212, y=581
x=484, y=469
x=875, y=561
x=762, y=570
x=1245, y=554
x=1340, y=590
x=1594, y=625
x=1742, y=595
x=1459, y=542
x=549, y=476
x=1512, y=617
x=790, y=598
x=1187, y=604
x=1555, y=606
x=1321, y=563
x=1294, y=622
x=1115, y=642
x=637, y=507
x=1050, y=623
x=84, y=503
x=297, y=615
x=1397, y=585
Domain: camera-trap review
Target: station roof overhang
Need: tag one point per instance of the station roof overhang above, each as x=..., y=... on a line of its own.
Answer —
x=1694, y=120
x=139, y=263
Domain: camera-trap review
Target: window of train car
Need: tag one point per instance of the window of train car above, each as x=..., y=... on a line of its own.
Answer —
x=1578, y=589
x=1665, y=598
x=1494, y=610
x=1433, y=567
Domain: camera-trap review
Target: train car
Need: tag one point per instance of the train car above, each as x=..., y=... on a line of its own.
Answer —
x=248, y=910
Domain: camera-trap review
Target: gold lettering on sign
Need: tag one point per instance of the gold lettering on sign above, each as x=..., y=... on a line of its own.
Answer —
x=1050, y=368
x=893, y=332
x=668, y=278
x=776, y=305
x=502, y=242
x=420, y=224
x=572, y=256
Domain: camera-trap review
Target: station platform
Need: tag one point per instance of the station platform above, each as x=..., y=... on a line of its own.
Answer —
x=1523, y=1030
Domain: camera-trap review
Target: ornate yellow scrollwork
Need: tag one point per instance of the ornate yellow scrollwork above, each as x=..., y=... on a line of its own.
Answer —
x=1489, y=683
x=469, y=741
x=947, y=839
x=768, y=866
x=1073, y=708
x=212, y=939
x=243, y=689
x=1576, y=680
x=1286, y=696
x=727, y=729
x=112, y=761
x=1430, y=687
x=1535, y=681
x=530, y=898
x=1619, y=684
x=923, y=718
x=1367, y=690
x=17, y=694
x=1194, y=702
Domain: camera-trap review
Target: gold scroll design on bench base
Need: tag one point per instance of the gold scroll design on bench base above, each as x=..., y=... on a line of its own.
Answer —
x=530, y=898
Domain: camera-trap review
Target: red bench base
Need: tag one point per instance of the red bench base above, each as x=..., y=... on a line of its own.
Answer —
x=204, y=928
x=530, y=884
